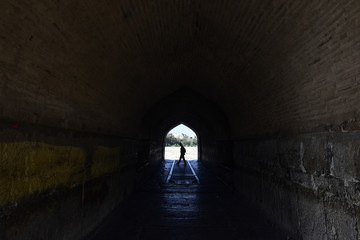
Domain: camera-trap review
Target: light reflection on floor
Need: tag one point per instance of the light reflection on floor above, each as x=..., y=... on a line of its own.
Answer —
x=186, y=210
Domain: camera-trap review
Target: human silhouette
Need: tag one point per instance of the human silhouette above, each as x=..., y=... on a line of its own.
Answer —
x=182, y=154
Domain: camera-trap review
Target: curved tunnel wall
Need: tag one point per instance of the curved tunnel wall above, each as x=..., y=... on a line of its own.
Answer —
x=77, y=79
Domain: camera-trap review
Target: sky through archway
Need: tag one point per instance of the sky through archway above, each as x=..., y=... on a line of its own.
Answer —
x=181, y=128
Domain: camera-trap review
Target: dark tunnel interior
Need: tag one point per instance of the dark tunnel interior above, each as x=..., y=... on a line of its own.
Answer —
x=88, y=90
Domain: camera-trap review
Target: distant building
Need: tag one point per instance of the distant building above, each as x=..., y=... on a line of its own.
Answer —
x=181, y=136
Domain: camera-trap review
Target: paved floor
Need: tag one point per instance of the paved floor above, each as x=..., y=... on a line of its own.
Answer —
x=184, y=207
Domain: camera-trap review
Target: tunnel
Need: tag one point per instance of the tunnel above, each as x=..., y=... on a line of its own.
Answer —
x=89, y=89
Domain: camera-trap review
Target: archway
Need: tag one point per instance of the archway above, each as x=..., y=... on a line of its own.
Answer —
x=203, y=116
x=187, y=136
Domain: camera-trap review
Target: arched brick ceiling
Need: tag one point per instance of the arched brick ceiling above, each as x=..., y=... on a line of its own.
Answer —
x=269, y=65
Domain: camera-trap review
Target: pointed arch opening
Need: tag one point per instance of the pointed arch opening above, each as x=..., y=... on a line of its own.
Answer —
x=181, y=133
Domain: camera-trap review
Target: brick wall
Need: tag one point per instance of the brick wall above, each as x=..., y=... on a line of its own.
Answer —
x=273, y=67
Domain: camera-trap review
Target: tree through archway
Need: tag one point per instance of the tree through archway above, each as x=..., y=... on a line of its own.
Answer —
x=185, y=135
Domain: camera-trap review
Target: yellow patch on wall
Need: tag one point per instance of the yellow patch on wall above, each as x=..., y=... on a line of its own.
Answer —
x=105, y=160
x=29, y=167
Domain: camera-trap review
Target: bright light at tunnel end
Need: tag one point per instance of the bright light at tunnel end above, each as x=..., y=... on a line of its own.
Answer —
x=181, y=133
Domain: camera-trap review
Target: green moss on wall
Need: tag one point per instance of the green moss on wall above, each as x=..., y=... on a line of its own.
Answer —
x=105, y=160
x=29, y=167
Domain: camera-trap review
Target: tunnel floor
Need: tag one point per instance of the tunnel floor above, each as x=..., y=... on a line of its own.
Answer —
x=183, y=207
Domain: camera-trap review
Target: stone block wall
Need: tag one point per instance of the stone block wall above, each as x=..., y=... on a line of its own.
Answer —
x=308, y=183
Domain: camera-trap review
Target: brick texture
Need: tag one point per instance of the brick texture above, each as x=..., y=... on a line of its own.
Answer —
x=273, y=66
